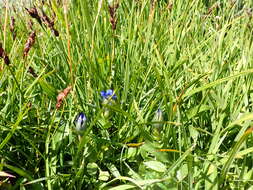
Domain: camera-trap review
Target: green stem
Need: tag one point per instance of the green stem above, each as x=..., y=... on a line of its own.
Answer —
x=18, y=86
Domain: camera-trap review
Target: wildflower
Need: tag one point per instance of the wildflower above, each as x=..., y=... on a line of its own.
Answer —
x=157, y=124
x=80, y=121
x=108, y=94
x=158, y=117
x=108, y=97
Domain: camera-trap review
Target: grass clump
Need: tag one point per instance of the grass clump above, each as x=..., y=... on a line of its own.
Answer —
x=126, y=95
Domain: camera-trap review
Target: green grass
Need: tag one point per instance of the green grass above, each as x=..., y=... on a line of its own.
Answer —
x=189, y=60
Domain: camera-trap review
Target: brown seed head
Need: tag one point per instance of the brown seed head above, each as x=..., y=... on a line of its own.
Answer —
x=12, y=28
x=62, y=95
x=33, y=12
x=32, y=72
x=30, y=24
x=112, y=11
x=49, y=22
x=1, y=50
x=29, y=43
x=4, y=55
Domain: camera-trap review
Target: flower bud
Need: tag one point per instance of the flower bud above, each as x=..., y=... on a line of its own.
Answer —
x=158, y=117
x=80, y=122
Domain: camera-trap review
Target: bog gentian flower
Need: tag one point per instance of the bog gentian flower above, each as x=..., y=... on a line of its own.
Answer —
x=158, y=117
x=108, y=94
x=80, y=122
x=108, y=98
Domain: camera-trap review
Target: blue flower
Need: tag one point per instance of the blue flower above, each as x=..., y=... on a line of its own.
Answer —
x=80, y=121
x=108, y=94
x=158, y=117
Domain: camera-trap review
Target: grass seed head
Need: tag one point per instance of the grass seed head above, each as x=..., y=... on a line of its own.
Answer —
x=29, y=43
x=30, y=24
x=49, y=22
x=12, y=28
x=62, y=95
x=4, y=55
x=112, y=10
x=1, y=50
x=33, y=12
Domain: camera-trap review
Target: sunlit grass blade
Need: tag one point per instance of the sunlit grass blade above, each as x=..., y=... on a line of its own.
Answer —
x=233, y=152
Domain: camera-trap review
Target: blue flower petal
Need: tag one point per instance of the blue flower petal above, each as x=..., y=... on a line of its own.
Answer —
x=109, y=92
x=103, y=94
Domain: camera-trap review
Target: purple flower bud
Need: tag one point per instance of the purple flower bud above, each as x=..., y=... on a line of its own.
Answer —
x=80, y=121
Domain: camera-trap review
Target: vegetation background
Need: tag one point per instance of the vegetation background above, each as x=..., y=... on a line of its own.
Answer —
x=182, y=75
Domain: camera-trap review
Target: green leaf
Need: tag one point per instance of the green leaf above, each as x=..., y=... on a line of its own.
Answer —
x=193, y=133
x=113, y=169
x=131, y=152
x=123, y=187
x=138, y=183
x=19, y=171
x=104, y=175
x=92, y=168
x=14, y=127
x=179, y=161
x=155, y=165
x=244, y=152
x=233, y=152
x=48, y=89
x=147, y=182
x=243, y=118
x=215, y=83
x=197, y=109
x=182, y=172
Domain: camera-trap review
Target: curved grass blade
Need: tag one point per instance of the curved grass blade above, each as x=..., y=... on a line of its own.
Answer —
x=19, y=171
x=233, y=152
x=14, y=127
x=215, y=83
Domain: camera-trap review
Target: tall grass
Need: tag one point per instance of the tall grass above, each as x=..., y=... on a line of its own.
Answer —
x=189, y=60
